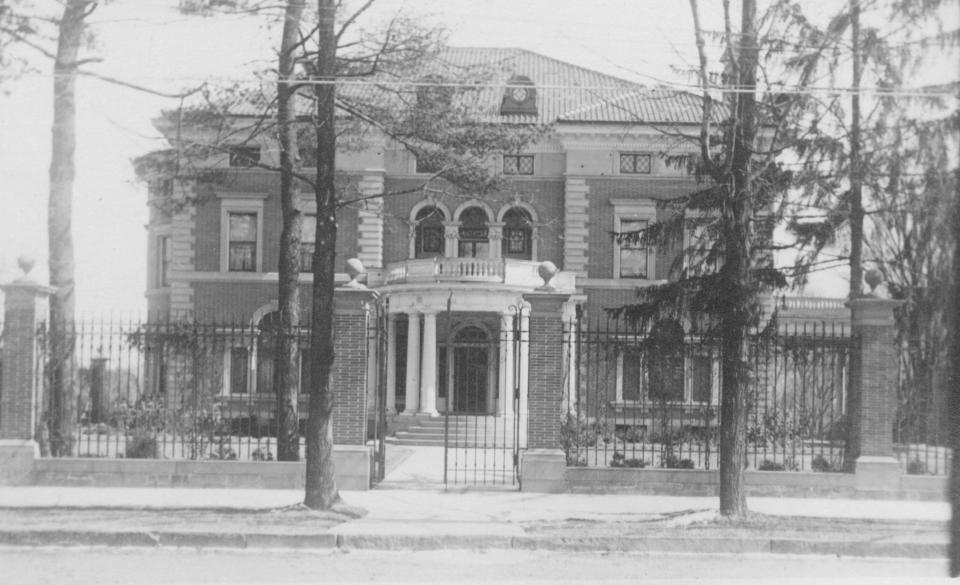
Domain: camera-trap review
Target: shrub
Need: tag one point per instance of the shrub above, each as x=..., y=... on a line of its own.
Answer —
x=141, y=447
x=671, y=461
x=917, y=467
x=767, y=465
x=824, y=465
x=620, y=460
x=262, y=455
x=630, y=433
x=224, y=452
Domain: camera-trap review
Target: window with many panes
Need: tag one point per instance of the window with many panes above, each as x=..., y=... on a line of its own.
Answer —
x=517, y=235
x=474, y=234
x=425, y=164
x=244, y=156
x=308, y=240
x=242, y=242
x=429, y=233
x=635, y=164
x=518, y=164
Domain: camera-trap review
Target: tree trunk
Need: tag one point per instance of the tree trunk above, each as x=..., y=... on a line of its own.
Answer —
x=286, y=379
x=321, y=488
x=851, y=449
x=62, y=412
x=736, y=277
x=953, y=309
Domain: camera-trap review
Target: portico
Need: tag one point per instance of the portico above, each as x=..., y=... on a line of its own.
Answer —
x=458, y=334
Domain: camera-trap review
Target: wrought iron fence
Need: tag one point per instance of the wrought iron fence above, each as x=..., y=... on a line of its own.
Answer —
x=651, y=398
x=921, y=424
x=177, y=390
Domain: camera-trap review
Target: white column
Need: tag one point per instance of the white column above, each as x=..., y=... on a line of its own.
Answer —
x=451, y=238
x=506, y=365
x=391, y=363
x=524, y=358
x=413, y=363
x=495, y=237
x=428, y=373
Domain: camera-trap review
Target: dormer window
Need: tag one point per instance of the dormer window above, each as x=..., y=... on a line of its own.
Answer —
x=520, y=97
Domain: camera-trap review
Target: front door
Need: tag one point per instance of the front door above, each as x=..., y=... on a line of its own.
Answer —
x=470, y=373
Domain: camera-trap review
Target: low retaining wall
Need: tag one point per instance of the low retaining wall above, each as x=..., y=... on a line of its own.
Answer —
x=352, y=464
x=690, y=482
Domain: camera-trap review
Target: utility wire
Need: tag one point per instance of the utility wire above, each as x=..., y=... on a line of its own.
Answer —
x=626, y=86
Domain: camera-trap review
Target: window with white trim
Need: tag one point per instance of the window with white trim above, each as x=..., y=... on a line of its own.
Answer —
x=242, y=241
x=308, y=240
x=241, y=232
x=631, y=259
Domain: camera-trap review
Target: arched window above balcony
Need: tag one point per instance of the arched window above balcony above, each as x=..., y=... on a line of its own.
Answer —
x=517, y=234
x=428, y=232
x=474, y=234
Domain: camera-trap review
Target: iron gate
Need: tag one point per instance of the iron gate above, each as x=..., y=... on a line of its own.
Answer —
x=482, y=439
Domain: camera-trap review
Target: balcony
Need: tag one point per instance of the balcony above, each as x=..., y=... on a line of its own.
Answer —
x=515, y=273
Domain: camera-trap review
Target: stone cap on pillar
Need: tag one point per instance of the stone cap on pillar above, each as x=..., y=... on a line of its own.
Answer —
x=874, y=308
x=25, y=290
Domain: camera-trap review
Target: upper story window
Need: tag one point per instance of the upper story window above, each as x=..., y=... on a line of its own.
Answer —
x=518, y=164
x=631, y=258
x=244, y=156
x=429, y=232
x=474, y=234
x=635, y=164
x=308, y=240
x=517, y=234
x=164, y=258
x=425, y=165
x=242, y=245
x=634, y=257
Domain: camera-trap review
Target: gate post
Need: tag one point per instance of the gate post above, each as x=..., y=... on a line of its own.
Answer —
x=25, y=308
x=873, y=390
x=544, y=462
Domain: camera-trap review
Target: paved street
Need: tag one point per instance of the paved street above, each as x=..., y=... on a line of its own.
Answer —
x=188, y=566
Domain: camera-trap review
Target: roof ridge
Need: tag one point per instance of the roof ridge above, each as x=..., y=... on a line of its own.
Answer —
x=582, y=69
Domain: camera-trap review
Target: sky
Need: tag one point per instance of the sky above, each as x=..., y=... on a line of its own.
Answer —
x=147, y=42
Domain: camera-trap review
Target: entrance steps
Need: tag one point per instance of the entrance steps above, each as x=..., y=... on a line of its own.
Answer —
x=461, y=431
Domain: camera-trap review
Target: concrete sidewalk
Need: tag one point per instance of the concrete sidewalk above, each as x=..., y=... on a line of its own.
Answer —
x=439, y=519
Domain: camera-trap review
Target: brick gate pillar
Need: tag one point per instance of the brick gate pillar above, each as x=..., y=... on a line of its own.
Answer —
x=544, y=462
x=873, y=392
x=25, y=308
x=351, y=364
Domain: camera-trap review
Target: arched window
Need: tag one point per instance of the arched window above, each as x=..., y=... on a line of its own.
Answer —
x=474, y=234
x=517, y=234
x=429, y=232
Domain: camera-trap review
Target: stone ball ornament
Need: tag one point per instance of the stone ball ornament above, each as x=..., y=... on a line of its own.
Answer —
x=26, y=264
x=355, y=270
x=873, y=278
x=547, y=270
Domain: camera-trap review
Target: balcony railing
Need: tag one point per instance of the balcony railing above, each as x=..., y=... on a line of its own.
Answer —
x=490, y=270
